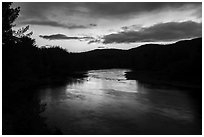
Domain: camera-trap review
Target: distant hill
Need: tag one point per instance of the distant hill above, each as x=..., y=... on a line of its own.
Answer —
x=180, y=61
x=149, y=56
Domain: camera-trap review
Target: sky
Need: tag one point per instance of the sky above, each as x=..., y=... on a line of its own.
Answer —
x=84, y=26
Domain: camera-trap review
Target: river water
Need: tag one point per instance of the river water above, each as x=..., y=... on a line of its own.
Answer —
x=105, y=102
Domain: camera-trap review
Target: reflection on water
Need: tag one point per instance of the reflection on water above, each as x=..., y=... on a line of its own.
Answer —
x=106, y=103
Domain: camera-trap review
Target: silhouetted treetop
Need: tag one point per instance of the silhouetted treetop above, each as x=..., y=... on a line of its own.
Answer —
x=9, y=15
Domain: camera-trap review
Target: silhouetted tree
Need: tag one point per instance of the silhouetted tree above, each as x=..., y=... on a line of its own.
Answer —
x=9, y=15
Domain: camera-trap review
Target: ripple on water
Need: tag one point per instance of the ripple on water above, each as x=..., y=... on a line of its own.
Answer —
x=106, y=103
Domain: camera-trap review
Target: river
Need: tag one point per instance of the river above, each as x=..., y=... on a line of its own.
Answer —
x=105, y=102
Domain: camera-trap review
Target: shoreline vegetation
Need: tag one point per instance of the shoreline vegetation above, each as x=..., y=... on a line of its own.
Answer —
x=154, y=78
x=21, y=108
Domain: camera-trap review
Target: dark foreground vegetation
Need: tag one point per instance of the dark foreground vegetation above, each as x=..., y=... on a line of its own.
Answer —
x=27, y=66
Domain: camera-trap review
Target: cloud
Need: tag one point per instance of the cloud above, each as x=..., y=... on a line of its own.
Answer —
x=94, y=25
x=95, y=41
x=102, y=9
x=132, y=27
x=170, y=31
x=127, y=9
x=57, y=24
x=101, y=47
x=63, y=37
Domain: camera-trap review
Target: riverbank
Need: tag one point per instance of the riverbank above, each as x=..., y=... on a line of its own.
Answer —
x=160, y=79
x=21, y=108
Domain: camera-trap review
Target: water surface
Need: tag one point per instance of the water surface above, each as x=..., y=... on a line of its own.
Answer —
x=105, y=102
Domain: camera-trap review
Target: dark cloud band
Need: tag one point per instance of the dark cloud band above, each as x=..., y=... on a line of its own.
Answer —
x=160, y=32
x=104, y=9
x=63, y=37
x=57, y=24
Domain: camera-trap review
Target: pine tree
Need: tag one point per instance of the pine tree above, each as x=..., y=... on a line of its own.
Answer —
x=9, y=15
